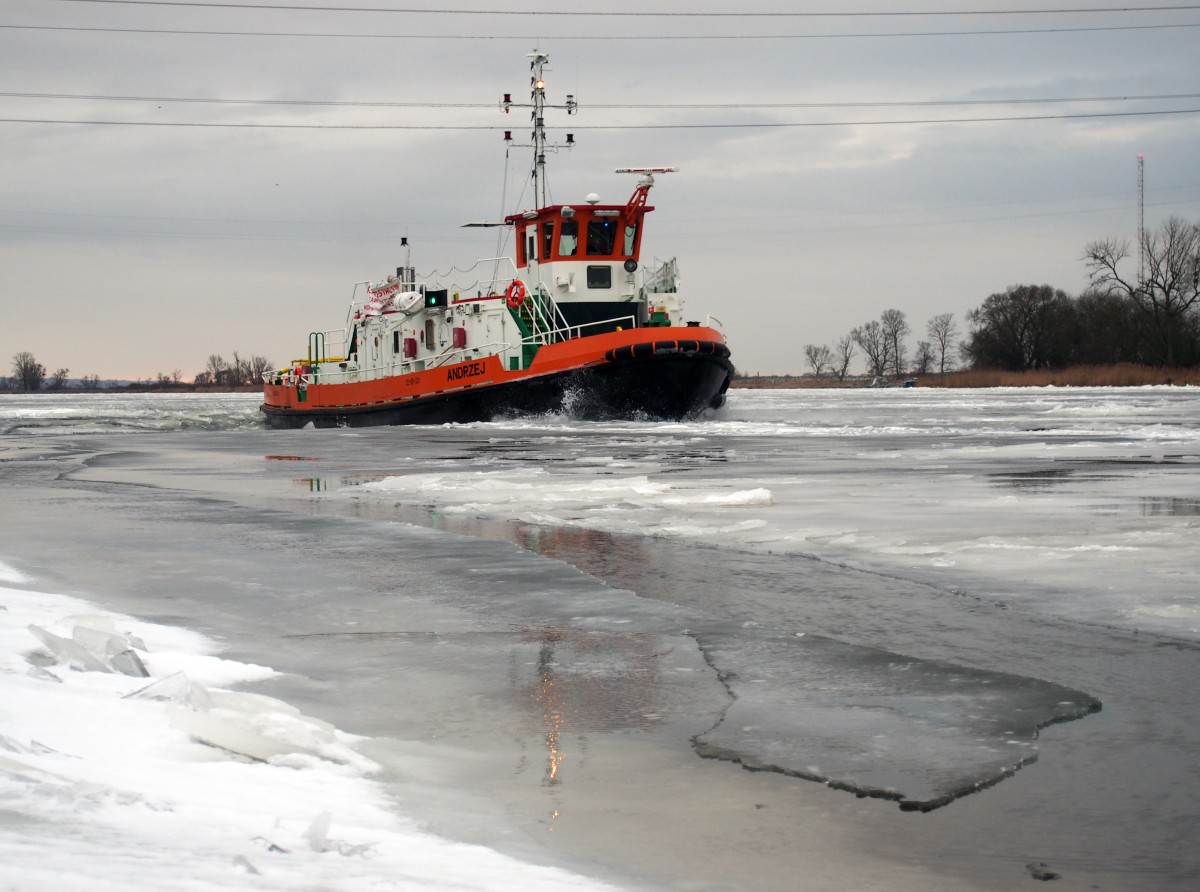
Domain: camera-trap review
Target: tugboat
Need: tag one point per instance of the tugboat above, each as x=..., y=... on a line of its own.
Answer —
x=573, y=324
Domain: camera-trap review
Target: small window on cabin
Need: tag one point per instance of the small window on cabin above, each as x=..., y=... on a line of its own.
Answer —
x=599, y=276
x=568, y=238
x=630, y=238
x=601, y=235
x=531, y=244
x=547, y=240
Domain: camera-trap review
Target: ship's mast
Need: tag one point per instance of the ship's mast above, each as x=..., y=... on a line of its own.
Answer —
x=538, y=105
x=538, y=94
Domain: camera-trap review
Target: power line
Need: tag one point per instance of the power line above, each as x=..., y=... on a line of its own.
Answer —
x=220, y=101
x=828, y=223
x=414, y=10
x=322, y=103
x=761, y=125
x=610, y=37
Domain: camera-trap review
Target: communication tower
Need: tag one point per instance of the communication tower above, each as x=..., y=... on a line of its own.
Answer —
x=1141, y=233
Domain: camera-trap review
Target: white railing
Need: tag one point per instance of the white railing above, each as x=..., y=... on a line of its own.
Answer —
x=497, y=283
x=664, y=278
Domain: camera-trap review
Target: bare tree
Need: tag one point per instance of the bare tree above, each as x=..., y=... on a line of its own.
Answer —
x=217, y=368
x=924, y=359
x=28, y=373
x=895, y=330
x=843, y=352
x=1172, y=284
x=942, y=331
x=874, y=345
x=239, y=371
x=1025, y=327
x=259, y=366
x=59, y=379
x=819, y=358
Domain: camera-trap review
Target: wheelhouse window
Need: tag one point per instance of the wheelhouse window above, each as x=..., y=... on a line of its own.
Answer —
x=599, y=276
x=630, y=239
x=601, y=236
x=568, y=238
x=547, y=239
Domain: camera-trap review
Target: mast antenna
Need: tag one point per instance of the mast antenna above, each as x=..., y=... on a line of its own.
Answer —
x=538, y=106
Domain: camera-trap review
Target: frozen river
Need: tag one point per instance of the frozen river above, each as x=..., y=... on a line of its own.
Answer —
x=565, y=642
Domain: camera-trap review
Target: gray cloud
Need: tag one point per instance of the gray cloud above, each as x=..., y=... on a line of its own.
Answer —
x=133, y=250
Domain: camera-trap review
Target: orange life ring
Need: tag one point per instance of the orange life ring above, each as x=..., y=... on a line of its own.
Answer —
x=515, y=296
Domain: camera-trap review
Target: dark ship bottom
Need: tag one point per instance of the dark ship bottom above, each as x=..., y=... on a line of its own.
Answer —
x=633, y=384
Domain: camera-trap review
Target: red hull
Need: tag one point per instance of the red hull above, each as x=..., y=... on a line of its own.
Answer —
x=655, y=372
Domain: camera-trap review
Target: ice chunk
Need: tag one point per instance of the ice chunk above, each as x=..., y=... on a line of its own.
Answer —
x=127, y=662
x=67, y=651
x=317, y=833
x=43, y=674
x=176, y=687
x=103, y=643
x=259, y=727
x=94, y=648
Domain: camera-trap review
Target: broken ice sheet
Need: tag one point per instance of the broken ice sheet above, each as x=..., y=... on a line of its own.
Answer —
x=878, y=724
x=92, y=649
x=259, y=727
x=317, y=835
x=65, y=650
x=176, y=687
x=104, y=642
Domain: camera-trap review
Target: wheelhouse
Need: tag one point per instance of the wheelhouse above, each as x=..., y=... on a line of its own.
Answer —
x=585, y=258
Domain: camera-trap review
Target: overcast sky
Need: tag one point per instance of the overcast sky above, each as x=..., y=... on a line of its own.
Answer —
x=823, y=183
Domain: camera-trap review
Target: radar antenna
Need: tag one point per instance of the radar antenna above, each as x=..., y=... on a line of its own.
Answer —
x=637, y=200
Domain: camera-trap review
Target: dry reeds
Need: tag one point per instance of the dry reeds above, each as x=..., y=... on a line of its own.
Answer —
x=1121, y=375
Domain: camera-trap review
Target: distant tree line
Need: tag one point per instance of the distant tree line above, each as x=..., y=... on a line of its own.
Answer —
x=237, y=372
x=1149, y=315
x=29, y=375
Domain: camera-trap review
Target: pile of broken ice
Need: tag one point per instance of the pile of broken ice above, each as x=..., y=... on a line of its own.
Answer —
x=249, y=725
